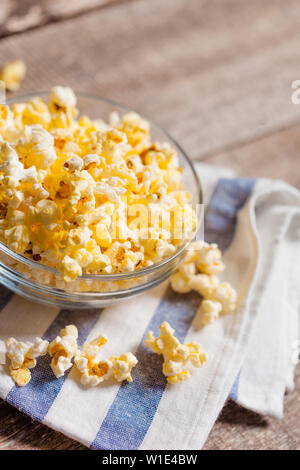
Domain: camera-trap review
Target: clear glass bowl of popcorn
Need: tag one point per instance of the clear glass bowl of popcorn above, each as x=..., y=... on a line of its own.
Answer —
x=45, y=284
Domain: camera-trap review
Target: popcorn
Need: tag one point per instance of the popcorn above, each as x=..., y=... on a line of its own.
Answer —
x=12, y=73
x=69, y=330
x=62, y=350
x=43, y=153
x=73, y=163
x=197, y=271
x=63, y=97
x=68, y=185
x=21, y=376
x=97, y=373
x=208, y=257
x=94, y=369
x=209, y=311
x=123, y=365
x=114, y=119
x=44, y=212
x=10, y=165
x=176, y=356
x=105, y=189
x=17, y=238
x=23, y=357
x=39, y=348
x=114, y=144
x=39, y=192
x=71, y=268
x=137, y=130
x=91, y=159
x=226, y=296
x=204, y=284
x=180, y=283
x=34, y=112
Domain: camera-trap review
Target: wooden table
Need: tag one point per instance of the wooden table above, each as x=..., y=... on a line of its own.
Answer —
x=217, y=75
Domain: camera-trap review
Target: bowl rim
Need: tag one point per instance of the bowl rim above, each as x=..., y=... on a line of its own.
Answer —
x=125, y=275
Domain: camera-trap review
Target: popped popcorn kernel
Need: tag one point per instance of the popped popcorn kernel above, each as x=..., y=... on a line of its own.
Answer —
x=63, y=97
x=23, y=357
x=12, y=73
x=71, y=267
x=180, y=283
x=208, y=257
x=62, y=350
x=226, y=295
x=94, y=369
x=123, y=365
x=180, y=377
x=91, y=365
x=176, y=356
x=209, y=311
x=198, y=271
x=69, y=330
x=21, y=376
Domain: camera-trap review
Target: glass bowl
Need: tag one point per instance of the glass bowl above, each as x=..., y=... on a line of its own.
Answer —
x=44, y=284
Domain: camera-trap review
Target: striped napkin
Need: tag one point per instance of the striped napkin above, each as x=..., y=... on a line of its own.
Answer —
x=252, y=353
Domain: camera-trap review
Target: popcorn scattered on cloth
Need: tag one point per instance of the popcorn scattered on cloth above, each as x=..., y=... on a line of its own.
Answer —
x=251, y=353
x=12, y=73
x=176, y=356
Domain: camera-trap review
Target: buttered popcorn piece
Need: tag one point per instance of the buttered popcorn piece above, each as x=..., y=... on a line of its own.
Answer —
x=43, y=153
x=63, y=97
x=208, y=257
x=209, y=311
x=226, y=296
x=62, y=350
x=198, y=271
x=93, y=375
x=12, y=73
x=23, y=357
x=123, y=365
x=94, y=369
x=65, y=173
x=21, y=376
x=176, y=356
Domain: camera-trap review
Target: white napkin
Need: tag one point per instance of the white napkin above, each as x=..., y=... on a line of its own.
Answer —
x=252, y=353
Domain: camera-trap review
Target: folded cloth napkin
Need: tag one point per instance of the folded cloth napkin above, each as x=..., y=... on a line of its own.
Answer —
x=251, y=353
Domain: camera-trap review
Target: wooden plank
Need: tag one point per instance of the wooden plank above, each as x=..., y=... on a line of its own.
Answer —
x=274, y=156
x=20, y=15
x=217, y=75
x=213, y=73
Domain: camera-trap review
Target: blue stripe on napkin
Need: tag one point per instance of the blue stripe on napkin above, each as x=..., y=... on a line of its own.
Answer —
x=134, y=407
x=38, y=396
x=131, y=414
x=234, y=394
x=229, y=196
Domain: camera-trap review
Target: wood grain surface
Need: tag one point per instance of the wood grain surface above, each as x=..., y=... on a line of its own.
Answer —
x=21, y=15
x=217, y=75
